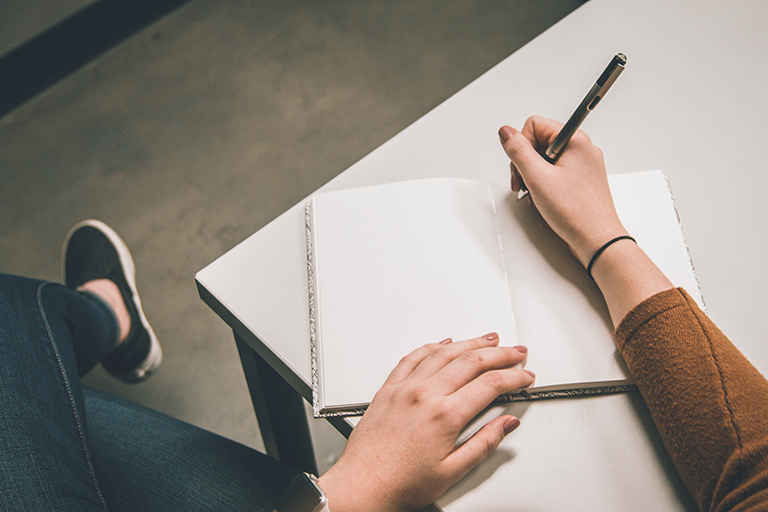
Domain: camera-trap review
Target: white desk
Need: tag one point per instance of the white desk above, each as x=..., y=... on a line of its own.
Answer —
x=691, y=102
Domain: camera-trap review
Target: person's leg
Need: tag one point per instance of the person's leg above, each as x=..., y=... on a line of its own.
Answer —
x=45, y=463
x=145, y=460
x=125, y=456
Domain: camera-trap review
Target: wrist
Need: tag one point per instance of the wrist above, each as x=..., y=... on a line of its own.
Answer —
x=604, y=248
x=626, y=276
x=590, y=246
x=341, y=495
x=334, y=493
x=354, y=493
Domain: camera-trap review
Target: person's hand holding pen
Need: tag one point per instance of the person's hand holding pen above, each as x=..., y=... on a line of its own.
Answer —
x=573, y=194
x=574, y=198
x=549, y=140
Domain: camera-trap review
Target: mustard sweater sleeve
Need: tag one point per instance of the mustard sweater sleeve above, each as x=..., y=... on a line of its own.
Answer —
x=708, y=402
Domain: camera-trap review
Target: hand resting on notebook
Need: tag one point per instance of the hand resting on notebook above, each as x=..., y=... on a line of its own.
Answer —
x=402, y=454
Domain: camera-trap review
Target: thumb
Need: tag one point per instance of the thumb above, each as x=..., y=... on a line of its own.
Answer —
x=482, y=444
x=519, y=150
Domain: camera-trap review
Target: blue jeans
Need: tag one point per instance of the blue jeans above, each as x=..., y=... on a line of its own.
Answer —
x=64, y=446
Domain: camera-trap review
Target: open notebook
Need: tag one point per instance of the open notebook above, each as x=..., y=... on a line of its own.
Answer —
x=392, y=267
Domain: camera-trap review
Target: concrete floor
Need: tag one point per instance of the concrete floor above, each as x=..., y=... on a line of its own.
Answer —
x=203, y=127
x=21, y=21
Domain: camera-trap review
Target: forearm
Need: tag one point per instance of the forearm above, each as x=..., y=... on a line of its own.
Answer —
x=626, y=277
x=708, y=402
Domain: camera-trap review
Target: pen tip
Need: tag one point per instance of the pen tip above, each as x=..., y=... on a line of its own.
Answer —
x=622, y=58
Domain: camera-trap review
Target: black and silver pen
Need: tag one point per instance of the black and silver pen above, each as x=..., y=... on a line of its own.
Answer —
x=588, y=104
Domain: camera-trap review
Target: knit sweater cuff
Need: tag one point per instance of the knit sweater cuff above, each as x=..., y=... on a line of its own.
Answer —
x=647, y=311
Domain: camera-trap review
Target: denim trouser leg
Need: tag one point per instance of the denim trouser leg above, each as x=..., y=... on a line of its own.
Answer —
x=45, y=463
x=129, y=457
x=148, y=461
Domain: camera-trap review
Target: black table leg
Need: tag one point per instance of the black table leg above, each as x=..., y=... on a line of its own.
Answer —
x=279, y=411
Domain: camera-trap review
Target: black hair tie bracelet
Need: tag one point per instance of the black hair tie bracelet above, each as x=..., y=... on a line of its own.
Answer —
x=603, y=248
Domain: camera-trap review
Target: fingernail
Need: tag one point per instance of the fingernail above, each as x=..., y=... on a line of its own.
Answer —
x=491, y=336
x=446, y=341
x=505, y=132
x=511, y=424
x=515, y=182
x=529, y=372
x=521, y=349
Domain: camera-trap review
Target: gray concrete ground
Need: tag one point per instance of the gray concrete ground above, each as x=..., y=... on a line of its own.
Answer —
x=203, y=127
x=21, y=21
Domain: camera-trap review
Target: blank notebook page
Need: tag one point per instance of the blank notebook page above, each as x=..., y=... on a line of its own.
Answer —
x=397, y=266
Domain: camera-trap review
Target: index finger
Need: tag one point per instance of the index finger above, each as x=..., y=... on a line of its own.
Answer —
x=541, y=131
x=423, y=362
x=473, y=364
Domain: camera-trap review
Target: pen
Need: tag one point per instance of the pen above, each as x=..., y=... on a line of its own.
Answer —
x=588, y=104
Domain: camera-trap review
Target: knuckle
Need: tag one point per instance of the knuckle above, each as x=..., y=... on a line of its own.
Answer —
x=472, y=358
x=516, y=146
x=417, y=354
x=407, y=358
x=418, y=395
x=441, y=352
x=442, y=412
x=599, y=152
x=489, y=446
x=494, y=381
